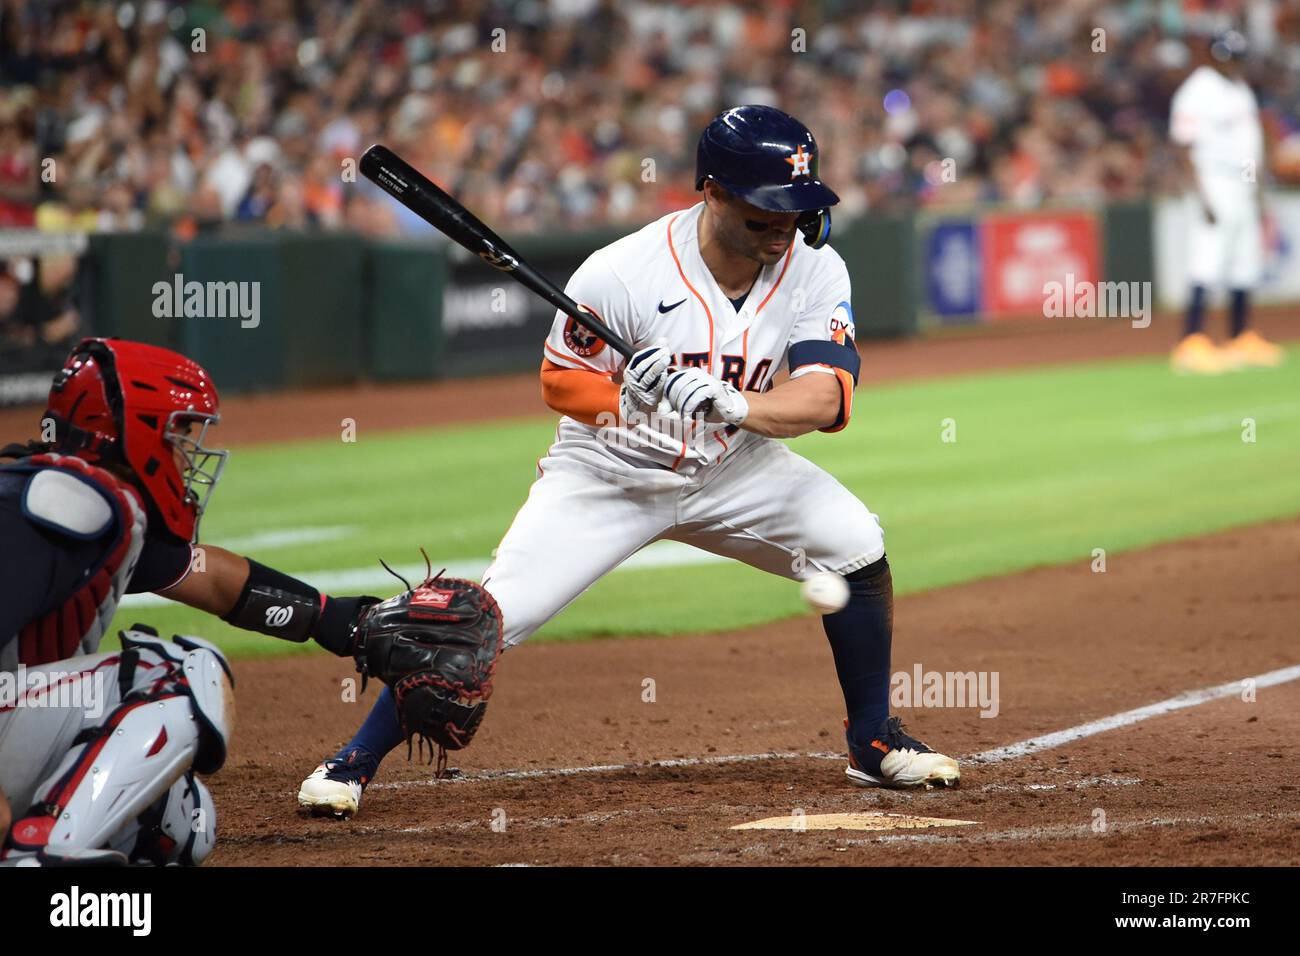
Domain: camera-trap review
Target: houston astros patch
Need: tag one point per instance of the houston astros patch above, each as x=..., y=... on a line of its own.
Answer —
x=580, y=339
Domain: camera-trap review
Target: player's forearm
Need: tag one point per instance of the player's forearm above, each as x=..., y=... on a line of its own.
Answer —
x=257, y=598
x=214, y=583
x=6, y=817
x=795, y=407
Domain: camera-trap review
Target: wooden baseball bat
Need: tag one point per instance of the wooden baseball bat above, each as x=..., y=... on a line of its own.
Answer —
x=413, y=190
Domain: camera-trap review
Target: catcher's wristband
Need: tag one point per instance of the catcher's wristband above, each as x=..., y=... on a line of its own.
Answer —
x=276, y=604
x=338, y=631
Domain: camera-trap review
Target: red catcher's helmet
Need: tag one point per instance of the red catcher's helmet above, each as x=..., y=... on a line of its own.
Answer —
x=136, y=405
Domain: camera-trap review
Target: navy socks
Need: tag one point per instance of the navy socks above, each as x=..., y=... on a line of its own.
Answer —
x=382, y=731
x=1238, y=310
x=1195, y=311
x=1240, y=306
x=861, y=636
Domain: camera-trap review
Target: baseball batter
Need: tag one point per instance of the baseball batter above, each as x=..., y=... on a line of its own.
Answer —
x=1214, y=121
x=681, y=441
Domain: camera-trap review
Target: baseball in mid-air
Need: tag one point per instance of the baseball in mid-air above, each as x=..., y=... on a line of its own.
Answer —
x=825, y=592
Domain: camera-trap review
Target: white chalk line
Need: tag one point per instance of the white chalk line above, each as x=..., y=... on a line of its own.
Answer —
x=1208, y=424
x=1190, y=698
x=1013, y=751
x=478, y=776
x=546, y=823
x=661, y=554
x=289, y=537
x=487, y=775
x=1082, y=783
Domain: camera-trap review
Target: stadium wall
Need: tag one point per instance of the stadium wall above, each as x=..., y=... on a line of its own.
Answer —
x=428, y=309
x=1281, y=280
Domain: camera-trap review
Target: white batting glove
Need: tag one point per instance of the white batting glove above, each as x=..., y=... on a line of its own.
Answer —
x=643, y=380
x=729, y=406
x=691, y=391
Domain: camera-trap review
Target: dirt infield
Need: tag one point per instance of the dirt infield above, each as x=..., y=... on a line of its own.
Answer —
x=748, y=724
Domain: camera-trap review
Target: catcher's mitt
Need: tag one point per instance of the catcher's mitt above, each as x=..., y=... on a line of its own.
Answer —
x=437, y=647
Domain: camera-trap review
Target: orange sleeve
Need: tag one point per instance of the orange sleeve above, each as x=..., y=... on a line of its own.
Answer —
x=588, y=397
x=846, y=401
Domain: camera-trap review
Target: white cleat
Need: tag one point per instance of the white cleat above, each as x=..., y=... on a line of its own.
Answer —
x=907, y=768
x=895, y=759
x=335, y=787
x=323, y=796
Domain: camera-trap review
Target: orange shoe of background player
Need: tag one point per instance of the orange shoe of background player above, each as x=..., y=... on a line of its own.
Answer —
x=1197, y=355
x=1251, y=348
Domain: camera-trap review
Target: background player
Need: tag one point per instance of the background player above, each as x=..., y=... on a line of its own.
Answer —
x=1215, y=122
x=690, y=455
x=112, y=505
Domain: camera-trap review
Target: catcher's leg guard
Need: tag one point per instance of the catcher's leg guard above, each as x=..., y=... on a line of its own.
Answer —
x=180, y=829
x=43, y=710
x=177, y=714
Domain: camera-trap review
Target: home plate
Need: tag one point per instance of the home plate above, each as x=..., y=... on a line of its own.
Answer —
x=851, y=821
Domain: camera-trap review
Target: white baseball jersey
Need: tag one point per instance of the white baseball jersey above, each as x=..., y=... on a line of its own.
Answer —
x=1218, y=118
x=603, y=493
x=652, y=287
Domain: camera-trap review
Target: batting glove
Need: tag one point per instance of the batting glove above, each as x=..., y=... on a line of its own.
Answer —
x=692, y=392
x=643, y=380
x=728, y=406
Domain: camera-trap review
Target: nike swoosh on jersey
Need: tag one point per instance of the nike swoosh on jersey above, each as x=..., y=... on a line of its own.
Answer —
x=664, y=310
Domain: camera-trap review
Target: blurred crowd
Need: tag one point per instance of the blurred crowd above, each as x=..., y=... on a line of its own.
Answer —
x=545, y=114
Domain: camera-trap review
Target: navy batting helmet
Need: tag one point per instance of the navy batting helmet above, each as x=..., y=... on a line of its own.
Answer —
x=1228, y=45
x=769, y=159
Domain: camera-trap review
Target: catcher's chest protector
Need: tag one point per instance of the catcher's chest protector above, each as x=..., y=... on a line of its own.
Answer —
x=74, y=499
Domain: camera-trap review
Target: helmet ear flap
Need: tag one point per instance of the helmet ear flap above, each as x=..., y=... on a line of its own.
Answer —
x=85, y=407
x=815, y=226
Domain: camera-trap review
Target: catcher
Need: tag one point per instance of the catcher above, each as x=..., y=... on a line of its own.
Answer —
x=99, y=751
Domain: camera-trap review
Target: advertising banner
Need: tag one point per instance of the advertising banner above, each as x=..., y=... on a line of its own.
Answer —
x=1281, y=279
x=996, y=265
x=951, y=260
x=1024, y=252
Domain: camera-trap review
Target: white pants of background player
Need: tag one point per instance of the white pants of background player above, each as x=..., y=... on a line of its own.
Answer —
x=1231, y=251
x=116, y=759
x=593, y=508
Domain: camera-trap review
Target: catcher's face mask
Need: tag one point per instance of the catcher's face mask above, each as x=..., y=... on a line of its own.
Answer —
x=200, y=466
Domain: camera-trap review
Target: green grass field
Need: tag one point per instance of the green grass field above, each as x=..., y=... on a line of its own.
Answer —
x=1047, y=465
